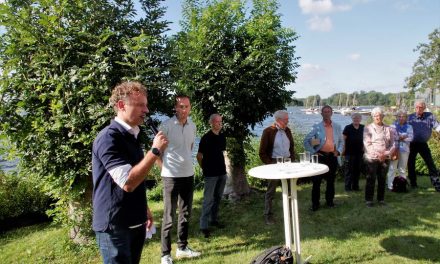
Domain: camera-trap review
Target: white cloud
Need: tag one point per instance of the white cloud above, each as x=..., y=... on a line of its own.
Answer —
x=320, y=6
x=354, y=56
x=317, y=23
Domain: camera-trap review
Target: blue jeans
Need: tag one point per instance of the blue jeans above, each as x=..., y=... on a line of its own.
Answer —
x=121, y=245
x=212, y=195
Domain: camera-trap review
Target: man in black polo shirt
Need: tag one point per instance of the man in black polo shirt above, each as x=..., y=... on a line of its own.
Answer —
x=119, y=168
x=211, y=160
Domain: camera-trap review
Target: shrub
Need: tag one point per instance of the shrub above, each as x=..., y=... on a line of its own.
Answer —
x=20, y=196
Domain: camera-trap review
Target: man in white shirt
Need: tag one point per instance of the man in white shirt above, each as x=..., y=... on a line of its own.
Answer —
x=178, y=179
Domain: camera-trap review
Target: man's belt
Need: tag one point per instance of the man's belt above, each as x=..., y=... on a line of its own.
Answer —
x=325, y=154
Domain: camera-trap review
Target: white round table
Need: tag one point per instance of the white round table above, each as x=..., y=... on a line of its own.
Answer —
x=289, y=173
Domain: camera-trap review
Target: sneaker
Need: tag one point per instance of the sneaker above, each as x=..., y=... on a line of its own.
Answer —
x=166, y=260
x=369, y=203
x=187, y=253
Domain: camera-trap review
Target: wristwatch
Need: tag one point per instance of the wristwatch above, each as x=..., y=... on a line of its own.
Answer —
x=155, y=151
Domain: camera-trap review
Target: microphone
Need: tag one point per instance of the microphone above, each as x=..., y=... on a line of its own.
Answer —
x=149, y=122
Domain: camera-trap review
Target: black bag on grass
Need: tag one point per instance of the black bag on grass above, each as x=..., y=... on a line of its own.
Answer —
x=400, y=184
x=274, y=255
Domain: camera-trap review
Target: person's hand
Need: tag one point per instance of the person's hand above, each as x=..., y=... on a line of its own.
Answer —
x=314, y=141
x=160, y=141
x=149, y=219
x=381, y=157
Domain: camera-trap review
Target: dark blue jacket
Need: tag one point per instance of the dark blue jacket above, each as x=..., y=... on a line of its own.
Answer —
x=112, y=206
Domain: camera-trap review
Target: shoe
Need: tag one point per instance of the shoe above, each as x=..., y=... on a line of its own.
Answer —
x=187, y=253
x=269, y=220
x=206, y=232
x=166, y=259
x=382, y=203
x=314, y=208
x=414, y=186
x=331, y=205
x=369, y=203
x=217, y=224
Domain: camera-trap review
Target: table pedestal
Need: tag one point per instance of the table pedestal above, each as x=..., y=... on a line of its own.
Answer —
x=291, y=221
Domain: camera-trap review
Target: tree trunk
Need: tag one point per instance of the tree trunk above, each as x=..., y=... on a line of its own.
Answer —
x=80, y=216
x=237, y=185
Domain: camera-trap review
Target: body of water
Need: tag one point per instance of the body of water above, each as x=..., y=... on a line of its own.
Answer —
x=299, y=123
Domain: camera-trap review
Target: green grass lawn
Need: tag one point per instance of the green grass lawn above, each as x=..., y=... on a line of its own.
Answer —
x=407, y=230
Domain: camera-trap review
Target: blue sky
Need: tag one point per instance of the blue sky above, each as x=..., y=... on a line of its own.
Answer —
x=351, y=45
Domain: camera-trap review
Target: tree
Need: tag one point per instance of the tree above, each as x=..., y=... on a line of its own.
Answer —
x=237, y=66
x=426, y=70
x=59, y=60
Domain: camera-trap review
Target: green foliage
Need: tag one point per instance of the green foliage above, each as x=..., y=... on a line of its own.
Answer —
x=59, y=60
x=426, y=70
x=234, y=65
x=20, y=196
x=400, y=100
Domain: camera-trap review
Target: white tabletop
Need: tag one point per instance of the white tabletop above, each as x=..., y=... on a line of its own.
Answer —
x=288, y=171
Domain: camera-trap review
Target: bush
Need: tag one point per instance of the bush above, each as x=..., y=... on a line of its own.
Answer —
x=20, y=196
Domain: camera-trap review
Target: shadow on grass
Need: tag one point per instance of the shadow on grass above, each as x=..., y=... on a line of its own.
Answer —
x=413, y=247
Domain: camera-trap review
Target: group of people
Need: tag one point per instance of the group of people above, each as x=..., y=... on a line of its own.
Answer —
x=120, y=166
x=386, y=151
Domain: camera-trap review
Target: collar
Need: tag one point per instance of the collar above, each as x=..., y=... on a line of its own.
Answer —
x=327, y=124
x=420, y=117
x=278, y=127
x=132, y=130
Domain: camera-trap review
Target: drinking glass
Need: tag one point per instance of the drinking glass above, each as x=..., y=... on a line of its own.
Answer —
x=302, y=157
x=307, y=157
x=287, y=160
x=315, y=160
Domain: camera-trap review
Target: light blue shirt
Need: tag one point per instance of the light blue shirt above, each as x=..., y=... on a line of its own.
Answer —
x=318, y=132
x=281, y=145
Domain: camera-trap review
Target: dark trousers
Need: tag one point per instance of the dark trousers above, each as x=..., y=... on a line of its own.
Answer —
x=177, y=192
x=329, y=177
x=121, y=245
x=352, y=166
x=375, y=170
x=422, y=148
x=270, y=193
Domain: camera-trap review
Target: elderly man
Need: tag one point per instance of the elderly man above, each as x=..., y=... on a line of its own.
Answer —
x=210, y=157
x=422, y=123
x=326, y=140
x=276, y=141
